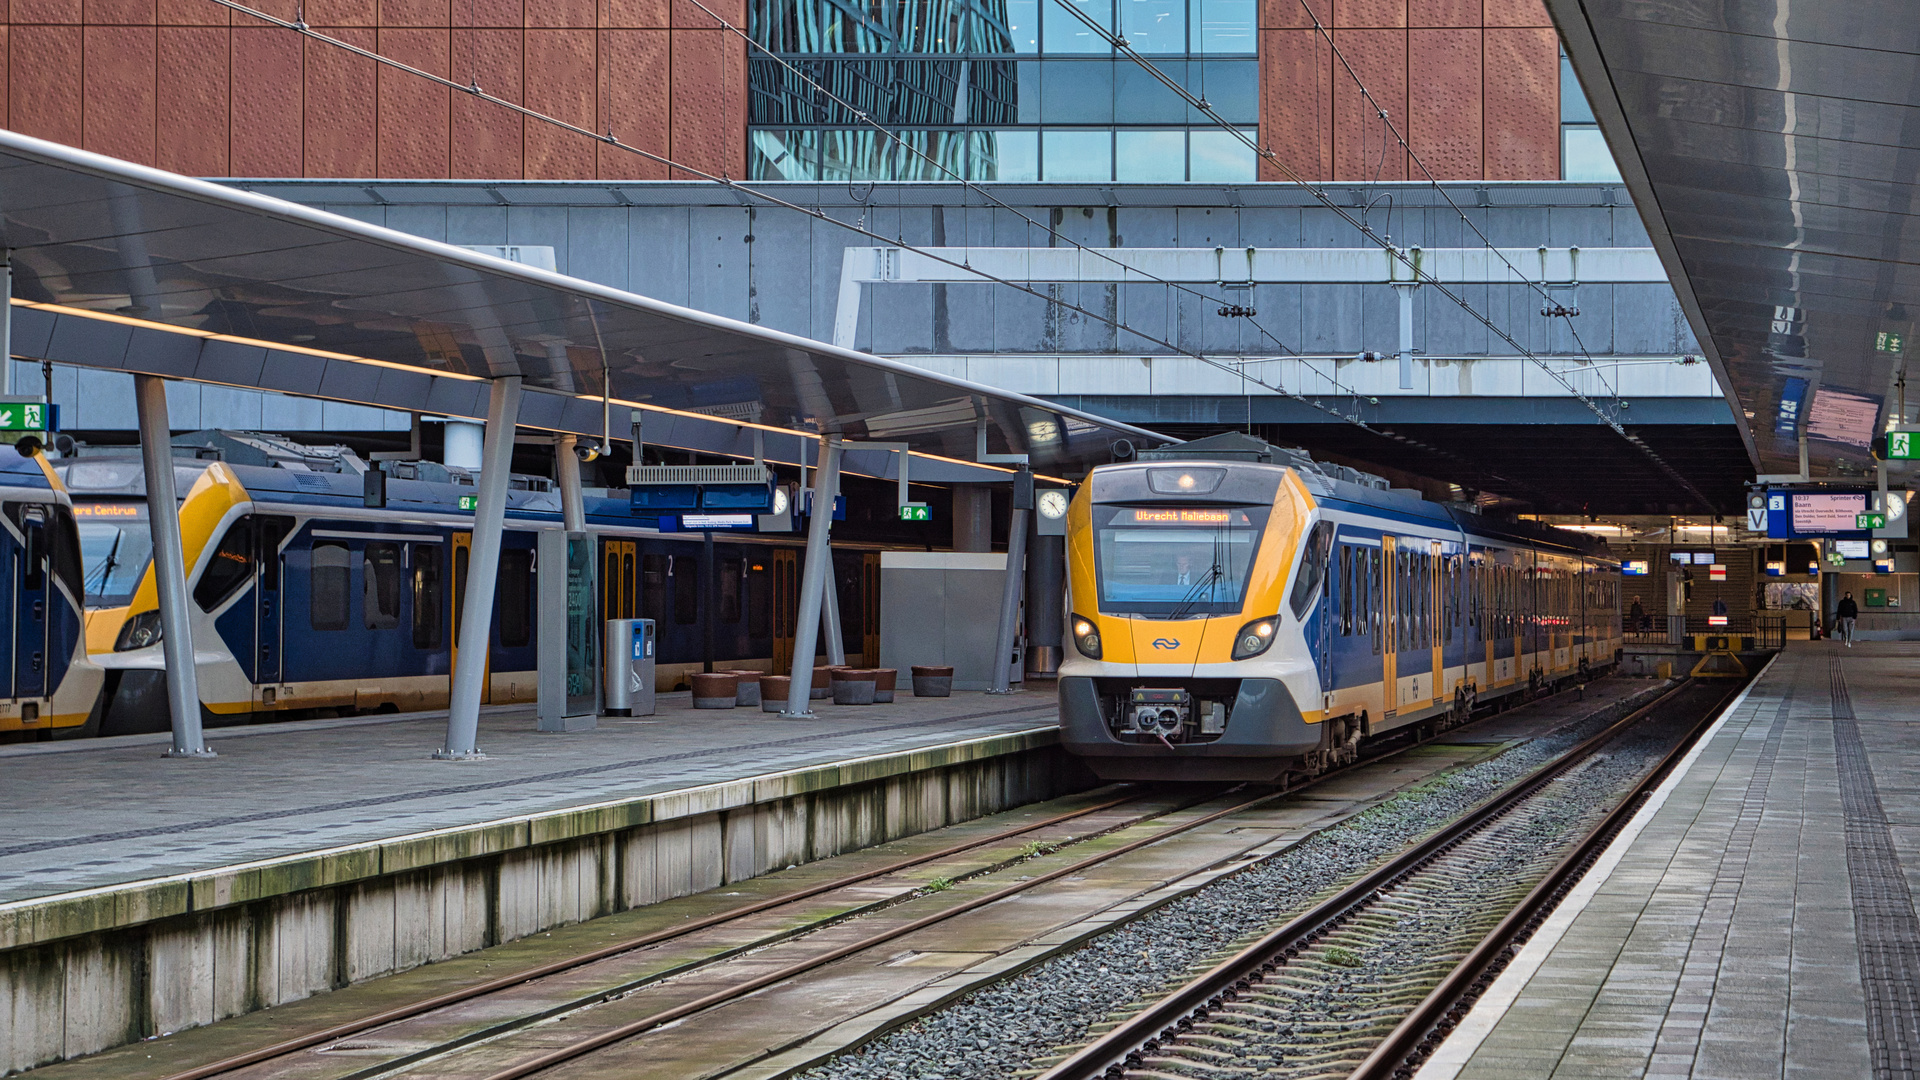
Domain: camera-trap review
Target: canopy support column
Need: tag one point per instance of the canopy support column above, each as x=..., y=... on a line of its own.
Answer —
x=476, y=626
x=573, y=508
x=169, y=566
x=836, y=649
x=1010, y=590
x=813, y=577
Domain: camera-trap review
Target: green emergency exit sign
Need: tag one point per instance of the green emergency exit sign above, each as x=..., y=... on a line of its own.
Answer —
x=1900, y=446
x=23, y=416
x=1870, y=521
x=469, y=502
x=916, y=512
x=1887, y=341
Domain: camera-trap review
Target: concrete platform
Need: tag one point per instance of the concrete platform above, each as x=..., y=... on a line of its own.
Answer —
x=1756, y=919
x=140, y=894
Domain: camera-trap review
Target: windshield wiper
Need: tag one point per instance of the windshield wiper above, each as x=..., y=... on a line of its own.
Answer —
x=1193, y=595
x=106, y=567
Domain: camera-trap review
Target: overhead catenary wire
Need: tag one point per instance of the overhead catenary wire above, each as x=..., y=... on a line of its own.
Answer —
x=1420, y=275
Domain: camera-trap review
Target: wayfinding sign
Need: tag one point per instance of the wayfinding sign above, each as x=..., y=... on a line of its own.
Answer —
x=28, y=416
x=1900, y=446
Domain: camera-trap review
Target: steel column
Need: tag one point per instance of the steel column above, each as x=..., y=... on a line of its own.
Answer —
x=483, y=570
x=1010, y=589
x=6, y=322
x=573, y=508
x=806, y=629
x=169, y=567
x=836, y=649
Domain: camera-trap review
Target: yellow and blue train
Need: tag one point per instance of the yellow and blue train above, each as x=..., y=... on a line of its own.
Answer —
x=1245, y=620
x=48, y=686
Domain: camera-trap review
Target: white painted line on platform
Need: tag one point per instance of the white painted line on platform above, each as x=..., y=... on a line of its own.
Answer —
x=1453, y=1054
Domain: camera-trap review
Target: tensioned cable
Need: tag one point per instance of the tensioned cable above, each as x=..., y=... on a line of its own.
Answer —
x=1420, y=276
x=730, y=184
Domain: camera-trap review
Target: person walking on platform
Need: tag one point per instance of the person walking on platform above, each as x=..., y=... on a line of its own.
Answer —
x=1844, y=616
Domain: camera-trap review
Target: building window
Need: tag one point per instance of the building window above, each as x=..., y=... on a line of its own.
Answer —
x=1007, y=90
x=1583, y=152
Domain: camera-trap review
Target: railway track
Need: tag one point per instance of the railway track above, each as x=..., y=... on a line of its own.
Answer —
x=1369, y=979
x=367, y=1045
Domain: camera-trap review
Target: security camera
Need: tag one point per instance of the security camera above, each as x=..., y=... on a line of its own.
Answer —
x=586, y=452
x=1122, y=450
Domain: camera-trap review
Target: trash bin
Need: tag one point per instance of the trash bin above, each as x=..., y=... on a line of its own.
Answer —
x=629, y=667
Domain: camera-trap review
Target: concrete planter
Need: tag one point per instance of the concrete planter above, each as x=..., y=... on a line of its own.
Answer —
x=715, y=690
x=853, y=686
x=822, y=683
x=932, y=681
x=747, y=689
x=773, y=692
x=883, y=685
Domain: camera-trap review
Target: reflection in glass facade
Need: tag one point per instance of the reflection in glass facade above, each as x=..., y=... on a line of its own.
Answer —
x=1012, y=90
x=1583, y=150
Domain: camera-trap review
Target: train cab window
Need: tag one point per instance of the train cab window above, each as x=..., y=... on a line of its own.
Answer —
x=759, y=599
x=64, y=546
x=686, y=590
x=427, y=602
x=228, y=567
x=380, y=586
x=653, y=590
x=731, y=570
x=330, y=596
x=1313, y=568
x=516, y=598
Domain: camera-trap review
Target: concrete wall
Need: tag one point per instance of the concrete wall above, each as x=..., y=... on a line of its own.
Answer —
x=88, y=971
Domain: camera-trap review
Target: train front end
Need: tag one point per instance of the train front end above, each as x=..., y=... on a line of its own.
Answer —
x=1186, y=655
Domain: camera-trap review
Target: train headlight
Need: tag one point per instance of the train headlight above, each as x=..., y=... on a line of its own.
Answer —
x=141, y=631
x=1253, y=638
x=1086, y=637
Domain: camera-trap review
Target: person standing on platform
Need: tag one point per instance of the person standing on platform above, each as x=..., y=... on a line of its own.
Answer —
x=1844, y=616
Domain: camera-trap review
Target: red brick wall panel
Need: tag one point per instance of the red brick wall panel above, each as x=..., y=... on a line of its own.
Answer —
x=1517, y=13
x=33, y=12
x=688, y=17
x=117, y=91
x=486, y=138
x=560, y=83
x=42, y=89
x=191, y=107
x=1444, y=116
x=709, y=102
x=418, y=12
x=268, y=103
x=635, y=68
x=1522, y=106
x=193, y=13
x=634, y=14
x=1292, y=15
x=1379, y=58
x=489, y=13
x=414, y=116
x=1296, y=103
x=1369, y=14
x=340, y=101
x=345, y=13
x=1443, y=13
x=5, y=83
x=562, y=14
x=119, y=12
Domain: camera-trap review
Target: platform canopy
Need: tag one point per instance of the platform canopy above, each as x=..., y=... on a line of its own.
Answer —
x=120, y=266
x=1773, y=150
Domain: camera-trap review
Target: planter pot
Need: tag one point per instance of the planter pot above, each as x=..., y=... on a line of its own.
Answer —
x=853, y=686
x=822, y=683
x=747, y=689
x=932, y=681
x=773, y=692
x=715, y=690
x=883, y=685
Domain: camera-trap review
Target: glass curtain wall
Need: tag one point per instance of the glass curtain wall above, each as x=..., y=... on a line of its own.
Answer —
x=1010, y=90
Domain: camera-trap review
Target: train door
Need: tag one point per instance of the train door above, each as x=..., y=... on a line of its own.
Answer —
x=870, y=609
x=268, y=629
x=786, y=602
x=1439, y=610
x=1390, y=605
x=619, y=599
x=462, y=556
x=30, y=602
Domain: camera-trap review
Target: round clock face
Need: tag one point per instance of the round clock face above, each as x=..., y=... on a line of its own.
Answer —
x=1879, y=547
x=780, y=502
x=1053, y=504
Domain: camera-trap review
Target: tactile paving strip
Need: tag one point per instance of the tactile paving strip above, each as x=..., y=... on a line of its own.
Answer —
x=1884, y=921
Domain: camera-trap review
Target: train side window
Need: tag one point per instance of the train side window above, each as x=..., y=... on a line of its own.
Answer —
x=1346, y=589
x=330, y=599
x=228, y=567
x=1313, y=568
x=380, y=586
x=759, y=600
x=686, y=590
x=516, y=597
x=731, y=571
x=653, y=590
x=427, y=604
x=1374, y=593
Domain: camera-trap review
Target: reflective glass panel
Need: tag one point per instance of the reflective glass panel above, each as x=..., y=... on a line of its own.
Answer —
x=1066, y=34
x=1077, y=92
x=1224, y=26
x=1023, y=22
x=1150, y=157
x=1232, y=87
x=1154, y=27
x=1015, y=156
x=1584, y=156
x=1077, y=155
x=1574, y=108
x=1139, y=98
x=1218, y=157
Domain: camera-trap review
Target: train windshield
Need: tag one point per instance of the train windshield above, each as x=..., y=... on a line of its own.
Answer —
x=115, y=547
x=1175, y=561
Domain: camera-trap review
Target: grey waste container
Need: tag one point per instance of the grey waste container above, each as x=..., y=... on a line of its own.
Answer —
x=630, y=657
